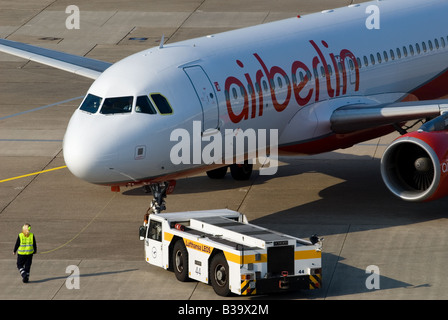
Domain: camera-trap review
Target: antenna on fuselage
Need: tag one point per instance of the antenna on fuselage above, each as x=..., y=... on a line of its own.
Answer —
x=162, y=41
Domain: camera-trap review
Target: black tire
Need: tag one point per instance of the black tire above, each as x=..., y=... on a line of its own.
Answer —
x=217, y=173
x=219, y=275
x=180, y=261
x=241, y=171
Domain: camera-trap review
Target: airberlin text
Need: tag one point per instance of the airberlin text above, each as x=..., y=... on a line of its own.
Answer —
x=253, y=105
x=444, y=166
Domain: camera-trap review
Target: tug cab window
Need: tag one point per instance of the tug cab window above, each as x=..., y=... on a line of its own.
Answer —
x=161, y=103
x=155, y=230
x=144, y=105
x=117, y=105
x=91, y=103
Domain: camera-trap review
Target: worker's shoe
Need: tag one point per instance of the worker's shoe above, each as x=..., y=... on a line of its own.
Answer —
x=25, y=278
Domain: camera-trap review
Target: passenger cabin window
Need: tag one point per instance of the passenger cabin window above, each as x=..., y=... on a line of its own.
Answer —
x=351, y=64
x=144, y=105
x=310, y=77
x=243, y=91
x=234, y=93
x=91, y=103
x=250, y=89
x=265, y=85
x=392, y=54
x=161, y=103
x=117, y=105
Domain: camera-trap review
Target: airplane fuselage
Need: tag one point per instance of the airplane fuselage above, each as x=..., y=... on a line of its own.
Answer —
x=287, y=76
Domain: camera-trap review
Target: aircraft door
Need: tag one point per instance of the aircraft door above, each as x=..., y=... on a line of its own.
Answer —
x=206, y=95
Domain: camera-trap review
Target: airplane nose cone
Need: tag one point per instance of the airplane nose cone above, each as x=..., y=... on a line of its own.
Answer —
x=86, y=164
x=87, y=152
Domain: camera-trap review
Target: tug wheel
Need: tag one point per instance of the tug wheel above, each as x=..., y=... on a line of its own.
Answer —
x=219, y=275
x=180, y=261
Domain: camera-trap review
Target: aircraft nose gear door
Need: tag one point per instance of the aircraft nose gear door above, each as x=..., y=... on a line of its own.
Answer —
x=206, y=95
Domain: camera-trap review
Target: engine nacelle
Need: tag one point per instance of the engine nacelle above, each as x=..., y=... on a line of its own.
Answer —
x=415, y=166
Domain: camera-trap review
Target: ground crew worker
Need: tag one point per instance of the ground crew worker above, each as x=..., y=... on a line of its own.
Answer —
x=25, y=247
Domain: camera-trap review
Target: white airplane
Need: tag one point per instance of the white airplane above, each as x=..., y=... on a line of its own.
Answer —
x=325, y=81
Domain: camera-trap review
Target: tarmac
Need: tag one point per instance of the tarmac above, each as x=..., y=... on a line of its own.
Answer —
x=338, y=195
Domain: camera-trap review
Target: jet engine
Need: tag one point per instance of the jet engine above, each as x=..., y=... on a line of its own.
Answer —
x=415, y=166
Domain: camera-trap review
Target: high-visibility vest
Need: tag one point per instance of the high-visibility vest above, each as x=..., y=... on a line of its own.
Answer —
x=26, y=244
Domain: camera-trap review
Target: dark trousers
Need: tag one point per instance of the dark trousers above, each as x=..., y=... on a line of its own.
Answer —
x=24, y=264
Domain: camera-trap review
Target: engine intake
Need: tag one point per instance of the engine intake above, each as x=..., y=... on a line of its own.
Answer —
x=414, y=167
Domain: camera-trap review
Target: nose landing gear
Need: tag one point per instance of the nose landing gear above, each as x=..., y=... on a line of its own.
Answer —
x=159, y=191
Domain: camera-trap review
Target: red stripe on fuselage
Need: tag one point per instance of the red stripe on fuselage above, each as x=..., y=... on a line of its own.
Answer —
x=434, y=89
x=334, y=141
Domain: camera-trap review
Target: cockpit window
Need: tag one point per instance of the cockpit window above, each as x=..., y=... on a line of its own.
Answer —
x=117, y=105
x=91, y=103
x=161, y=103
x=144, y=105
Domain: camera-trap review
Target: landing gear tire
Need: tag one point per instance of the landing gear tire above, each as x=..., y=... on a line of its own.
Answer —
x=219, y=275
x=219, y=173
x=241, y=171
x=180, y=261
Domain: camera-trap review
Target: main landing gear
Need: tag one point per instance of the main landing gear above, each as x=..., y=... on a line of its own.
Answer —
x=238, y=171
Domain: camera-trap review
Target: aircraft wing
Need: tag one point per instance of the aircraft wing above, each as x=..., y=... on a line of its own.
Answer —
x=83, y=66
x=360, y=116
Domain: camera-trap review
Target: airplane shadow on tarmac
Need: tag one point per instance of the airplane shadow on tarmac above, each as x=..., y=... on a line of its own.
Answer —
x=360, y=195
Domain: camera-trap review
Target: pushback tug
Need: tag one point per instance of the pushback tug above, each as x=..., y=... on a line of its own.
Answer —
x=220, y=247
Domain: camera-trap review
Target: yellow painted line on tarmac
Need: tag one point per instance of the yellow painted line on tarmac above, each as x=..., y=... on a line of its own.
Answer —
x=32, y=174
